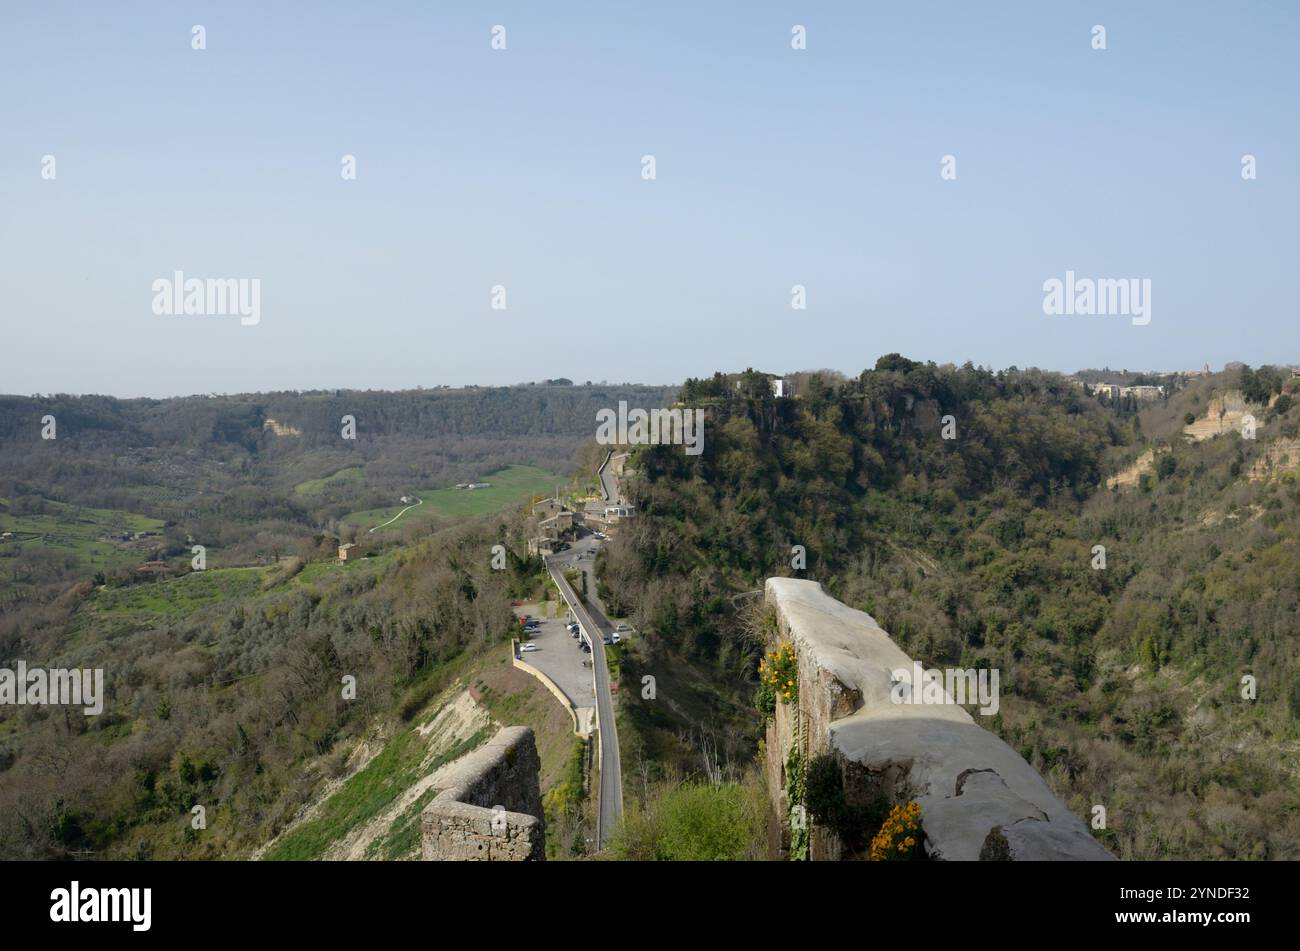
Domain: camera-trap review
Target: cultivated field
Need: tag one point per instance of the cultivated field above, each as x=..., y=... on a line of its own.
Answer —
x=509, y=486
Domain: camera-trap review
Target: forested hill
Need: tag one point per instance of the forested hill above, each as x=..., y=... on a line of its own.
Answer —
x=195, y=422
x=807, y=471
x=1122, y=685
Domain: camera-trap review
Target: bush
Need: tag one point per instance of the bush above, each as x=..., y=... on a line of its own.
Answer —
x=779, y=676
x=695, y=822
x=899, y=839
x=824, y=792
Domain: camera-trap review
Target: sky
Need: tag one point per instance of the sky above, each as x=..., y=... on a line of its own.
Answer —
x=522, y=168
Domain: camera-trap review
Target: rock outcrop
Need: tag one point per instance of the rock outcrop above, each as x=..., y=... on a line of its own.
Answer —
x=1223, y=415
x=979, y=799
x=490, y=809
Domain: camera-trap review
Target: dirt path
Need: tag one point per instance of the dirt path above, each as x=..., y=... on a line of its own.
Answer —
x=397, y=516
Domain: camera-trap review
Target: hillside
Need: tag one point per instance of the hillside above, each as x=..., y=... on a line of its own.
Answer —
x=228, y=688
x=1122, y=685
x=255, y=477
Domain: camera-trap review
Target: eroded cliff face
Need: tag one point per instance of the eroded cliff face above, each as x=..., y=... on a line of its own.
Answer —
x=979, y=799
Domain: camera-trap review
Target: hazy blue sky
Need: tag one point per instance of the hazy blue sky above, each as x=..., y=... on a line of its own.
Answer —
x=522, y=168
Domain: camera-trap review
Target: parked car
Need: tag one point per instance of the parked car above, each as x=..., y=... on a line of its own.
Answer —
x=530, y=646
x=623, y=629
x=606, y=640
x=615, y=637
x=585, y=648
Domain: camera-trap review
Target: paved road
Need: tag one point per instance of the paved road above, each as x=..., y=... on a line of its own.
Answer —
x=582, y=555
x=610, y=792
x=609, y=482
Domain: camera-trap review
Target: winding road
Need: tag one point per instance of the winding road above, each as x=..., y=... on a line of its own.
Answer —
x=609, y=488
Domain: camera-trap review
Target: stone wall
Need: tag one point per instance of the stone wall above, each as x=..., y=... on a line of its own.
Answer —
x=490, y=807
x=979, y=799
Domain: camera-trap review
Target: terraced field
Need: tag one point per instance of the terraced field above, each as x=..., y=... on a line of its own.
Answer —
x=94, y=536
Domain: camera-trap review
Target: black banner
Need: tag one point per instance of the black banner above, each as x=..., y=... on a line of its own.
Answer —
x=142, y=901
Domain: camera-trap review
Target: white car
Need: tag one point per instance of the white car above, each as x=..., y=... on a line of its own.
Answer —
x=615, y=638
x=530, y=646
x=623, y=629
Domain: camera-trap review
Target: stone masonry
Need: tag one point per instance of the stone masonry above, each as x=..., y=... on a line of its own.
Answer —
x=490, y=809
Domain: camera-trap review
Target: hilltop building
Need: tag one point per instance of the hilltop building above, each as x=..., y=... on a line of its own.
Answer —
x=553, y=524
x=1114, y=391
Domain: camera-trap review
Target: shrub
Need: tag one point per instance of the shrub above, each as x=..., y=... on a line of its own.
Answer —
x=899, y=838
x=779, y=672
x=824, y=792
x=695, y=822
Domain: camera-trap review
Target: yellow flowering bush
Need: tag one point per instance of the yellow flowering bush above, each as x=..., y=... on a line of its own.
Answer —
x=900, y=837
x=778, y=673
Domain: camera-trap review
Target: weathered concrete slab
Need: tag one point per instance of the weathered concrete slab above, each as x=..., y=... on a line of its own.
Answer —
x=978, y=797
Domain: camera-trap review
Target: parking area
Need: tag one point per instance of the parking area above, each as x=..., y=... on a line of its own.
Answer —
x=558, y=655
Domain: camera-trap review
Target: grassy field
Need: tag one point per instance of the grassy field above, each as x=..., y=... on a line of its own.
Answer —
x=77, y=530
x=184, y=595
x=180, y=597
x=351, y=475
x=511, y=486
